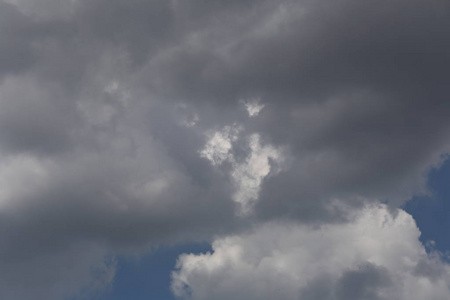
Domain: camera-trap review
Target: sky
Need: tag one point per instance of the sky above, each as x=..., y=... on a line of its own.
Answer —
x=196, y=150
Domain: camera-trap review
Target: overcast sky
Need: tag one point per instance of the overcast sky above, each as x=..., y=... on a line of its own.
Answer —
x=262, y=149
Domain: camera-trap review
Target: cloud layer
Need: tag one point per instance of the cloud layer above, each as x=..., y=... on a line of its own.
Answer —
x=130, y=124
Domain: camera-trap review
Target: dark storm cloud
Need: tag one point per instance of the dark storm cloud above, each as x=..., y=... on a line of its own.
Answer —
x=141, y=27
x=310, y=50
x=106, y=105
x=362, y=85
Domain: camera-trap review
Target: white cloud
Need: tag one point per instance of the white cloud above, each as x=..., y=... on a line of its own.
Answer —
x=217, y=149
x=376, y=256
x=248, y=174
x=253, y=107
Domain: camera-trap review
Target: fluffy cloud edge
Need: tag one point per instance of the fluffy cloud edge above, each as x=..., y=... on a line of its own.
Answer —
x=377, y=255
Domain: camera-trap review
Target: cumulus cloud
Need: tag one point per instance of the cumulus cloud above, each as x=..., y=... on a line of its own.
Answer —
x=129, y=124
x=375, y=256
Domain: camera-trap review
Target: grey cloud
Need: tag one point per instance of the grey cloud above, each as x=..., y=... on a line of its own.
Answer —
x=366, y=282
x=430, y=268
x=363, y=284
x=106, y=105
x=304, y=50
x=116, y=203
x=57, y=275
x=16, y=37
x=32, y=121
x=141, y=27
x=360, y=83
x=319, y=289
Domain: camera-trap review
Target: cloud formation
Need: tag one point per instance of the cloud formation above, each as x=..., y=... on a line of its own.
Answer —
x=375, y=256
x=129, y=124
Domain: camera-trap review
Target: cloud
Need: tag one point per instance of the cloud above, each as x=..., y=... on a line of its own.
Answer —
x=247, y=174
x=349, y=93
x=253, y=107
x=17, y=37
x=82, y=269
x=375, y=256
x=125, y=125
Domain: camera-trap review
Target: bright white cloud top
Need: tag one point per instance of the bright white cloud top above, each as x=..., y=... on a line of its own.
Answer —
x=377, y=255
